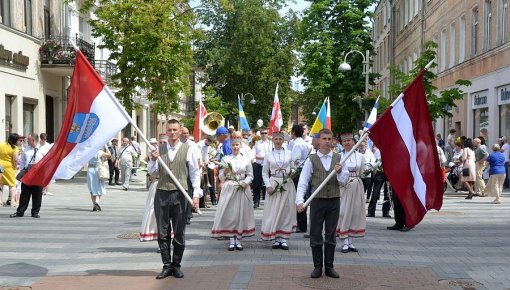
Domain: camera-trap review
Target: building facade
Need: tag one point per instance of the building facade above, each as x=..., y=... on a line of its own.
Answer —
x=473, y=44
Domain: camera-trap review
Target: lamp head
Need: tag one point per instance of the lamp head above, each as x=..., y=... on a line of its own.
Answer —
x=313, y=113
x=344, y=66
x=253, y=101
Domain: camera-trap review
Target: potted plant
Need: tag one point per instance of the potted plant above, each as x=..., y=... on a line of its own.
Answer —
x=48, y=48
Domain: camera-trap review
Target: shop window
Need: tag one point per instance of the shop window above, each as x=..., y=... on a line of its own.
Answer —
x=9, y=100
x=481, y=120
x=28, y=119
x=504, y=114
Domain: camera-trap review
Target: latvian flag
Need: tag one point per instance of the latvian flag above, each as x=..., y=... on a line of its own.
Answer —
x=92, y=118
x=409, y=155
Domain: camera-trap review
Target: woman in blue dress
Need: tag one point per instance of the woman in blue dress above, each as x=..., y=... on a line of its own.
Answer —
x=94, y=183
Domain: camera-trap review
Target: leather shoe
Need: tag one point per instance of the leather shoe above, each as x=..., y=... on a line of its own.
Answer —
x=16, y=215
x=330, y=272
x=344, y=250
x=178, y=273
x=118, y=183
x=386, y=215
x=36, y=216
x=231, y=248
x=165, y=273
x=370, y=215
x=306, y=236
x=352, y=249
x=316, y=273
x=394, y=228
x=111, y=183
x=404, y=229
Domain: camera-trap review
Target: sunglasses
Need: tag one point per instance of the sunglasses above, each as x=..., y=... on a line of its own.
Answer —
x=263, y=133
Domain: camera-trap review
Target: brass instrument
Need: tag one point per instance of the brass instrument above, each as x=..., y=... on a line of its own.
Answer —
x=211, y=122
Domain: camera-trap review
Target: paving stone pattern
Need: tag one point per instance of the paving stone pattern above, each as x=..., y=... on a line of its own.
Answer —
x=70, y=246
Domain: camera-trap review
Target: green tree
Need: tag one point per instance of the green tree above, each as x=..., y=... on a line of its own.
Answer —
x=150, y=41
x=247, y=48
x=329, y=29
x=438, y=104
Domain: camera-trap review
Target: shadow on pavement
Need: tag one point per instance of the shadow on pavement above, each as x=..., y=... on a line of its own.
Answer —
x=148, y=249
x=122, y=273
x=22, y=270
x=73, y=209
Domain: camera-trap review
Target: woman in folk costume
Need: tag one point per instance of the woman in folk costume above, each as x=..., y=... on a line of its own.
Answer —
x=234, y=215
x=279, y=219
x=352, y=220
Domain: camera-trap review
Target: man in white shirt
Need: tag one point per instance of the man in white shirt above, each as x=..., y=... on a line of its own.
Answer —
x=197, y=154
x=260, y=150
x=125, y=162
x=30, y=156
x=44, y=147
x=136, y=145
x=300, y=152
x=325, y=207
x=169, y=202
x=369, y=166
x=505, y=149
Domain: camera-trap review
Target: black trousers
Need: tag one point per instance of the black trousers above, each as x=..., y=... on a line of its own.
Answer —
x=114, y=171
x=367, y=186
x=212, y=182
x=324, y=214
x=379, y=182
x=189, y=214
x=400, y=215
x=169, y=208
x=301, y=217
x=258, y=184
x=28, y=191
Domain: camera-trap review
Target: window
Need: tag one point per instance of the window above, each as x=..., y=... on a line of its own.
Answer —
x=416, y=7
x=5, y=12
x=487, y=25
x=474, y=32
x=28, y=16
x=406, y=12
x=8, y=115
x=452, y=46
x=442, y=61
x=47, y=26
x=503, y=21
x=462, y=39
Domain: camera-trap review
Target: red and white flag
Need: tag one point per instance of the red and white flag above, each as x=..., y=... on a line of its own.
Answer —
x=409, y=155
x=197, y=129
x=92, y=118
x=276, y=121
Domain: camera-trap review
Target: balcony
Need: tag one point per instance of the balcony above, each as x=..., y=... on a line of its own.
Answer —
x=106, y=70
x=57, y=54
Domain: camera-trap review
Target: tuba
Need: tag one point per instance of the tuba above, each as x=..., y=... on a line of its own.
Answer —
x=211, y=122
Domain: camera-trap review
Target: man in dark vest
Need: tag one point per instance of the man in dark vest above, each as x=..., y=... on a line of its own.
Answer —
x=325, y=207
x=169, y=202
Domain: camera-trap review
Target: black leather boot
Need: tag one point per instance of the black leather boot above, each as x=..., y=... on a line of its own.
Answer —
x=167, y=260
x=329, y=258
x=176, y=261
x=317, y=262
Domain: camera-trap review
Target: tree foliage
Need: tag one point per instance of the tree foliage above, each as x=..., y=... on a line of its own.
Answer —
x=247, y=47
x=438, y=104
x=150, y=41
x=330, y=29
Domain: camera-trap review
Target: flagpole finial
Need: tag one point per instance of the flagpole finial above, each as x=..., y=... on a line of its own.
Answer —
x=429, y=64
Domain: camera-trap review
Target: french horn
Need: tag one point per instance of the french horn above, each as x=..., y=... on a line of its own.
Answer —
x=211, y=122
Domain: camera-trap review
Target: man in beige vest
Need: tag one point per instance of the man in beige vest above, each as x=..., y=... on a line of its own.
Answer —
x=325, y=207
x=169, y=202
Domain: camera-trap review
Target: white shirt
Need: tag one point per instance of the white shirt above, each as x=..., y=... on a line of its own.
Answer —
x=506, y=151
x=247, y=152
x=306, y=175
x=300, y=151
x=260, y=149
x=193, y=168
x=28, y=153
x=126, y=154
x=369, y=159
x=291, y=144
x=45, y=148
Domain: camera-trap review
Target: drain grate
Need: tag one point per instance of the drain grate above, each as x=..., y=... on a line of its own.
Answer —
x=464, y=284
x=129, y=236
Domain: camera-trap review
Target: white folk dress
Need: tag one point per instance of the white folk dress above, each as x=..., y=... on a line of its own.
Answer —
x=352, y=219
x=149, y=228
x=279, y=218
x=234, y=215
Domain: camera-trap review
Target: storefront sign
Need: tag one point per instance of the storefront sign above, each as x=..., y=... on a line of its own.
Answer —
x=16, y=60
x=504, y=95
x=480, y=99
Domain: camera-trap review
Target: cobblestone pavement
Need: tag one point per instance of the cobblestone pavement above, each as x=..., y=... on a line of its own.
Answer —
x=464, y=246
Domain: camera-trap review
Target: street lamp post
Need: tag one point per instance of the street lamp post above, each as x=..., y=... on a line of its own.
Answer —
x=346, y=67
x=252, y=101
